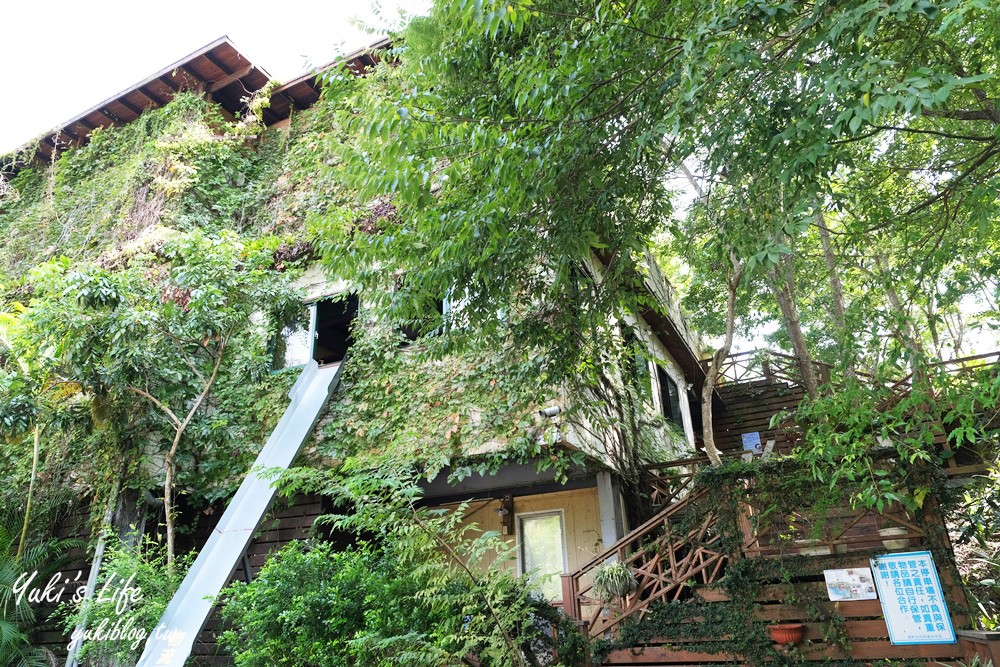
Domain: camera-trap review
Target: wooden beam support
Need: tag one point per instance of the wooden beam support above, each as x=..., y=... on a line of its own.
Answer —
x=293, y=103
x=153, y=97
x=191, y=73
x=269, y=117
x=87, y=124
x=53, y=153
x=216, y=86
x=168, y=82
x=128, y=105
x=199, y=81
x=67, y=133
x=218, y=63
x=110, y=115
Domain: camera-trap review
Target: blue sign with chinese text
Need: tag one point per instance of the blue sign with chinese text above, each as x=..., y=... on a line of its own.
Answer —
x=912, y=600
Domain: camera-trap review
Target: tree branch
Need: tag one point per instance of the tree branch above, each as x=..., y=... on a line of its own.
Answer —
x=152, y=399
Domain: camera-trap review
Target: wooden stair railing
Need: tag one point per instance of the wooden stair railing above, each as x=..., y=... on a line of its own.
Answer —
x=673, y=548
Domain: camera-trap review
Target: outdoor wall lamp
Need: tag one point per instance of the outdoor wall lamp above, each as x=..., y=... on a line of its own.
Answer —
x=506, y=514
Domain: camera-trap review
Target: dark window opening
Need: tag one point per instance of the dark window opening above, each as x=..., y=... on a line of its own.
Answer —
x=670, y=397
x=333, y=328
x=413, y=330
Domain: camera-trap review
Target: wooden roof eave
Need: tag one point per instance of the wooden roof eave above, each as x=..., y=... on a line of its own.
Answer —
x=168, y=80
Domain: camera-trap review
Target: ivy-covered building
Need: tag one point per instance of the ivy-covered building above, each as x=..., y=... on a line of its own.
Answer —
x=208, y=155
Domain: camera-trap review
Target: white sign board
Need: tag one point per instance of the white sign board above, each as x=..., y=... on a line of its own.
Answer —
x=751, y=442
x=912, y=599
x=855, y=583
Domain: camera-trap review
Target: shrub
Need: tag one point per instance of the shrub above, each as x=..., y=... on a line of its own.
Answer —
x=141, y=567
x=311, y=605
x=17, y=618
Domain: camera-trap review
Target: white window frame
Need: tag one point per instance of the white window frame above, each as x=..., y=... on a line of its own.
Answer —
x=520, y=540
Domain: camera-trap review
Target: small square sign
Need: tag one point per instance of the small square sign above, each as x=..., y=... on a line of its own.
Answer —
x=856, y=583
x=751, y=442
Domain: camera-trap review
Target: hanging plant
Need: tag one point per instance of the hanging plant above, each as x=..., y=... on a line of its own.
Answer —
x=614, y=580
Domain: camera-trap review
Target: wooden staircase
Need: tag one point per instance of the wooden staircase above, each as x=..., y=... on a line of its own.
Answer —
x=666, y=554
x=677, y=554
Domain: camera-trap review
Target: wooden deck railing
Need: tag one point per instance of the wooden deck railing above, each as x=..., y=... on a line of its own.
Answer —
x=763, y=364
x=665, y=554
x=681, y=544
x=671, y=481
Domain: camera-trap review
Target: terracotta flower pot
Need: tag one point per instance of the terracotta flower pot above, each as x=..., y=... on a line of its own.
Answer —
x=788, y=633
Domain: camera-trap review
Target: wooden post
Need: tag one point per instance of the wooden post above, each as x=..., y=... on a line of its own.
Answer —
x=571, y=603
x=986, y=645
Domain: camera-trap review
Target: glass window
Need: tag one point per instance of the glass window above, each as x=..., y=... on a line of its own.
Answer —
x=543, y=550
x=670, y=397
x=413, y=331
x=293, y=344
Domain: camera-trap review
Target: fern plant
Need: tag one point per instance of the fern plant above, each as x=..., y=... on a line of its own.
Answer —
x=614, y=580
x=18, y=620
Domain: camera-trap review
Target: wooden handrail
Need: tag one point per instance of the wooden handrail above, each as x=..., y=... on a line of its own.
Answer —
x=740, y=367
x=662, y=559
x=640, y=532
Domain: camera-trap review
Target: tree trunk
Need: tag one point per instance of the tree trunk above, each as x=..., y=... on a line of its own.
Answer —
x=620, y=434
x=956, y=331
x=931, y=314
x=712, y=377
x=783, y=287
x=837, y=291
x=181, y=426
x=168, y=501
x=31, y=491
x=906, y=333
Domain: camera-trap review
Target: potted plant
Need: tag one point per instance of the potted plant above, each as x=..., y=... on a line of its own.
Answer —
x=786, y=633
x=614, y=580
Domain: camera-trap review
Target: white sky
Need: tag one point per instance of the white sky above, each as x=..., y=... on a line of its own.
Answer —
x=60, y=58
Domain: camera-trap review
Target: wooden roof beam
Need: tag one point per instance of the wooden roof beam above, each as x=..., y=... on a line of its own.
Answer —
x=269, y=117
x=53, y=154
x=218, y=63
x=216, y=86
x=166, y=81
x=153, y=97
x=67, y=133
x=294, y=103
x=199, y=80
x=110, y=115
x=191, y=73
x=128, y=105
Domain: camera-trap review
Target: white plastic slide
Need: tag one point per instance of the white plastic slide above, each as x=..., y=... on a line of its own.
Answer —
x=170, y=643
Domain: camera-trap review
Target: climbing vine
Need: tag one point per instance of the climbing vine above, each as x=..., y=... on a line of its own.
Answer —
x=782, y=500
